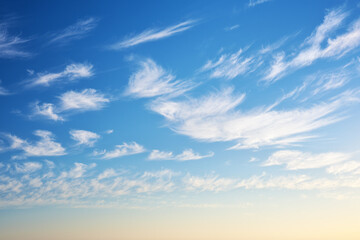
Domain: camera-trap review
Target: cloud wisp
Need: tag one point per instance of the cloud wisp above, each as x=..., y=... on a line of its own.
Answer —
x=46, y=146
x=253, y=3
x=11, y=46
x=122, y=150
x=215, y=118
x=32, y=183
x=153, y=35
x=71, y=72
x=295, y=160
x=230, y=66
x=83, y=137
x=4, y=91
x=70, y=102
x=186, y=155
x=74, y=32
x=151, y=80
x=315, y=47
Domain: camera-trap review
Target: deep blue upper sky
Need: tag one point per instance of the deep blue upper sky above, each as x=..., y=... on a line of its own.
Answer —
x=175, y=96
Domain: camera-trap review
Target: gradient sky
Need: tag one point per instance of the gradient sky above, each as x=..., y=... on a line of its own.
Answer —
x=180, y=120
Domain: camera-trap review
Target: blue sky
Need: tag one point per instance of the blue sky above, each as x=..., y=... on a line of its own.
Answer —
x=188, y=104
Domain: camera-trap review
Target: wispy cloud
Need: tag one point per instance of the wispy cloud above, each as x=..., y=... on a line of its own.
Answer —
x=80, y=184
x=27, y=167
x=186, y=155
x=211, y=183
x=11, y=46
x=84, y=137
x=70, y=102
x=71, y=72
x=77, y=171
x=73, y=32
x=124, y=149
x=233, y=27
x=153, y=35
x=152, y=80
x=83, y=182
x=253, y=3
x=215, y=118
x=352, y=167
x=315, y=46
x=87, y=99
x=295, y=160
x=46, y=146
x=46, y=110
x=332, y=80
x=230, y=66
x=4, y=91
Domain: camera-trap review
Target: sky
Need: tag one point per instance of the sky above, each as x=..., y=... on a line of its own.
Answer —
x=180, y=120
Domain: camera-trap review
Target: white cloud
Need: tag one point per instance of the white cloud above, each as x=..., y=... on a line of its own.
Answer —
x=295, y=160
x=82, y=183
x=4, y=91
x=208, y=183
x=186, y=155
x=10, y=46
x=28, y=167
x=253, y=159
x=231, y=66
x=76, y=31
x=253, y=3
x=70, y=102
x=35, y=182
x=152, y=80
x=71, y=72
x=122, y=150
x=87, y=99
x=84, y=137
x=50, y=164
x=110, y=131
x=313, y=46
x=331, y=81
x=346, y=167
x=78, y=170
x=153, y=35
x=108, y=173
x=46, y=110
x=215, y=118
x=46, y=146
x=233, y=27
